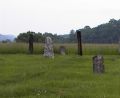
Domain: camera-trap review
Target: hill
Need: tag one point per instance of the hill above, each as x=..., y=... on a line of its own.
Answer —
x=7, y=37
x=104, y=33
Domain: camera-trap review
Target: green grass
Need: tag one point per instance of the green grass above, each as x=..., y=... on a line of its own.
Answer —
x=88, y=49
x=70, y=76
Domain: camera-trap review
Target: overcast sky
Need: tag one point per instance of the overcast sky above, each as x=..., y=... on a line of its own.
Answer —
x=55, y=16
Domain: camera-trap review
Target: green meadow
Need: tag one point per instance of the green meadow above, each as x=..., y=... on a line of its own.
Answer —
x=70, y=76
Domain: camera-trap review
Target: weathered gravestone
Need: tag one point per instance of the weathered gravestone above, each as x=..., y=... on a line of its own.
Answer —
x=30, y=43
x=98, y=66
x=48, y=49
x=62, y=50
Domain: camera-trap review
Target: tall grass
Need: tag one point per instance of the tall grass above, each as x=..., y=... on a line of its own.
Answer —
x=88, y=49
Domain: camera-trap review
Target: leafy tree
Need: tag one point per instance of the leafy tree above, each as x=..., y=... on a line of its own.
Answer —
x=72, y=36
x=104, y=33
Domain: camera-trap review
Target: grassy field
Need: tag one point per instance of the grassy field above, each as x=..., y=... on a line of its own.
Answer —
x=70, y=76
x=88, y=49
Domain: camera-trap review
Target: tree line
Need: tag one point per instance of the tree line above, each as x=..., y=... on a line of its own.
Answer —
x=38, y=37
x=104, y=33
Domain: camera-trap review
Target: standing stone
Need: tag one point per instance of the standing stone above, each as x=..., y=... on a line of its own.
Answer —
x=48, y=49
x=31, y=43
x=62, y=50
x=79, y=42
x=98, y=66
x=119, y=46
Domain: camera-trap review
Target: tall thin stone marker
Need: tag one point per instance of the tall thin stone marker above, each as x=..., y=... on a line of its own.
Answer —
x=31, y=43
x=79, y=42
x=119, y=46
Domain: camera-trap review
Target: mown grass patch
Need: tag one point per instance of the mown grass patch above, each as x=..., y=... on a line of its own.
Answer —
x=70, y=76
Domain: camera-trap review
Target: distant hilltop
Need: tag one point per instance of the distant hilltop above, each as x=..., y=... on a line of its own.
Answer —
x=7, y=37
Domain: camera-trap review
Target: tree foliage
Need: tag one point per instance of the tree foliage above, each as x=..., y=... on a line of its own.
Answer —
x=104, y=33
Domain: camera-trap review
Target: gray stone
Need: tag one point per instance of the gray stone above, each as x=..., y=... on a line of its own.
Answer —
x=98, y=66
x=119, y=47
x=62, y=50
x=48, y=49
x=31, y=43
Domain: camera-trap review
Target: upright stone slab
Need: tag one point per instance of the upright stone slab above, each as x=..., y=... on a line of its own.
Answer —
x=119, y=46
x=62, y=50
x=31, y=43
x=48, y=49
x=98, y=66
x=79, y=42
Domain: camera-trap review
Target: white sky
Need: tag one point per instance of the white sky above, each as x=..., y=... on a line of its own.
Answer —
x=55, y=16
